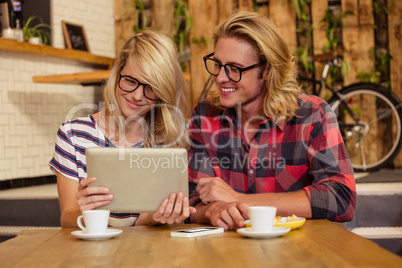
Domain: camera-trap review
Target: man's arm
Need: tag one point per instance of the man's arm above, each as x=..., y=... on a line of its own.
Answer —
x=333, y=191
x=224, y=207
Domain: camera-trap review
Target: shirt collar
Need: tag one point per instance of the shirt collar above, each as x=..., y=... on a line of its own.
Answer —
x=230, y=115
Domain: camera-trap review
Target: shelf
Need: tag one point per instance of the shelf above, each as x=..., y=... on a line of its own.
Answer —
x=90, y=78
x=12, y=45
x=96, y=77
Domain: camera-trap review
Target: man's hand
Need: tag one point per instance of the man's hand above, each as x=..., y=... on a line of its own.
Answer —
x=215, y=189
x=229, y=215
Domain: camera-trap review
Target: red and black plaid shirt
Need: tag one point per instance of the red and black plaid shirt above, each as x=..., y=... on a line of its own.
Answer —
x=306, y=152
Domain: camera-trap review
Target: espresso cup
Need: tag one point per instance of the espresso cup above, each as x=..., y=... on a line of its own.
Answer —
x=262, y=218
x=96, y=221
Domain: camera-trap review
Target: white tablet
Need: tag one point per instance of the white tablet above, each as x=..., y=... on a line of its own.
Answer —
x=139, y=178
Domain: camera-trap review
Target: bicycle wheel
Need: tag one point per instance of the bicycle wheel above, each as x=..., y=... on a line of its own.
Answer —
x=369, y=119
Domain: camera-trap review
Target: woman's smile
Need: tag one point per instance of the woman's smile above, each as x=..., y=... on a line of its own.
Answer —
x=134, y=105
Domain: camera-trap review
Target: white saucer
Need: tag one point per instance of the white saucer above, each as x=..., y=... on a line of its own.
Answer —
x=109, y=234
x=276, y=231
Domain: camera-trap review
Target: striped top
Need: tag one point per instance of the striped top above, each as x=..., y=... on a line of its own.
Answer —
x=73, y=137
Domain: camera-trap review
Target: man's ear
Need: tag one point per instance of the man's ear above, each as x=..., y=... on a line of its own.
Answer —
x=265, y=74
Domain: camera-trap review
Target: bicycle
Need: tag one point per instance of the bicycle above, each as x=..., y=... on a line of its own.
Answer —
x=369, y=117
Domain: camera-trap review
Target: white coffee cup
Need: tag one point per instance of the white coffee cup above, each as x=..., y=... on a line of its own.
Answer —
x=262, y=218
x=96, y=221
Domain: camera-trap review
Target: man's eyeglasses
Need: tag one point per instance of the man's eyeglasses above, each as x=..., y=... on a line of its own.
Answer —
x=233, y=72
x=130, y=84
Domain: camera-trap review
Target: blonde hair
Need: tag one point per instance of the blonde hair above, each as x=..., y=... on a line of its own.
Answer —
x=280, y=100
x=157, y=57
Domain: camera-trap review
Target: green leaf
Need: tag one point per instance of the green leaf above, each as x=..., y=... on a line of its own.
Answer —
x=345, y=68
x=296, y=5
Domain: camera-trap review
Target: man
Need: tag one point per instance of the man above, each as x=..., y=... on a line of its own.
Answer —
x=258, y=140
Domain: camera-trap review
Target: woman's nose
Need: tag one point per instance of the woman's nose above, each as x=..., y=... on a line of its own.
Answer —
x=138, y=94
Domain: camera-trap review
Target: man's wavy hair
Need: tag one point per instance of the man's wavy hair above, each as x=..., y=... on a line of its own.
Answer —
x=157, y=56
x=280, y=101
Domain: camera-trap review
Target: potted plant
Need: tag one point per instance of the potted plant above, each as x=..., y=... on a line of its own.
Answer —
x=36, y=33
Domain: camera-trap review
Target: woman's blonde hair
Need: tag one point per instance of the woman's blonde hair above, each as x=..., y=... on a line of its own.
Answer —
x=280, y=100
x=156, y=55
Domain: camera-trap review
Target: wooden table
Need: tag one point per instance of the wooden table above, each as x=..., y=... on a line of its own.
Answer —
x=319, y=243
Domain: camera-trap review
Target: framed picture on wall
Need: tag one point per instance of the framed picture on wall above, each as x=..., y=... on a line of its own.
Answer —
x=74, y=36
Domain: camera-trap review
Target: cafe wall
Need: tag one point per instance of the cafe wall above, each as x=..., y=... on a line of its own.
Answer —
x=30, y=113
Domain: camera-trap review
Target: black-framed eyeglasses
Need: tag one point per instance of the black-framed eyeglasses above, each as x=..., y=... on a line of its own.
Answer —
x=233, y=72
x=130, y=84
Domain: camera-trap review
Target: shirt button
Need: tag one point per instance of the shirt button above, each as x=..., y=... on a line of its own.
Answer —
x=251, y=171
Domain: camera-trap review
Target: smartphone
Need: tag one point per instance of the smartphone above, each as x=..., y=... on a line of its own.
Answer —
x=198, y=231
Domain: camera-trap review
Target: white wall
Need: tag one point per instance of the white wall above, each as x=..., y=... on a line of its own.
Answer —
x=30, y=113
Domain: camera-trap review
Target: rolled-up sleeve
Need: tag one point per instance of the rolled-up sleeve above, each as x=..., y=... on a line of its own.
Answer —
x=333, y=192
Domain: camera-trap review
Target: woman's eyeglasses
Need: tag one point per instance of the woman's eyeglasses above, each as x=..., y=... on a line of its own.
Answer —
x=233, y=72
x=130, y=84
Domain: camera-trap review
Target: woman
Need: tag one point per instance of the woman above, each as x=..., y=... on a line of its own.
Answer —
x=144, y=106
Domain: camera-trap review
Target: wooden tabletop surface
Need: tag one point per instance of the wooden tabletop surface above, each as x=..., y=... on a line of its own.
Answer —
x=319, y=243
